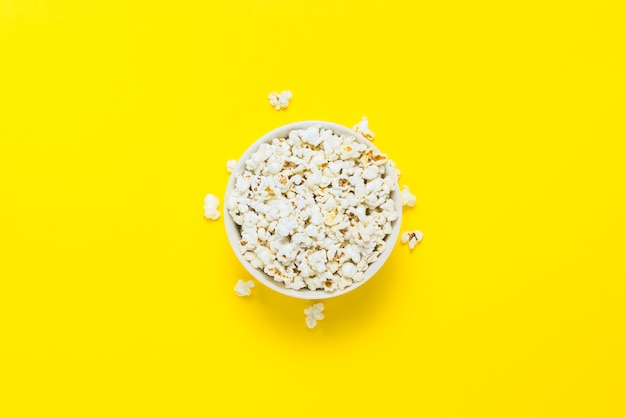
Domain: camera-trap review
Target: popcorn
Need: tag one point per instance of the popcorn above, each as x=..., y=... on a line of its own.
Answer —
x=244, y=289
x=314, y=209
x=317, y=260
x=389, y=210
x=344, y=283
x=315, y=232
x=393, y=166
x=230, y=165
x=348, y=270
x=286, y=226
x=353, y=253
x=210, y=207
x=313, y=314
x=412, y=238
x=287, y=254
x=363, y=128
x=312, y=136
x=408, y=199
x=370, y=172
x=264, y=254
x=280, y=101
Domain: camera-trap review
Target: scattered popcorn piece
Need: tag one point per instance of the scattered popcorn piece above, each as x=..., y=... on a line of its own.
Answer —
x=244, y=289
x=313, y=314
x=408, y=199
x=412, y=238
x=393, y=166
x=363, y=128
x=280, y=101
x=230, y=165
x=210, y=207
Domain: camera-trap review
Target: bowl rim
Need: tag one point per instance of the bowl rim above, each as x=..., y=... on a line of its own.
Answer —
x=233, y=231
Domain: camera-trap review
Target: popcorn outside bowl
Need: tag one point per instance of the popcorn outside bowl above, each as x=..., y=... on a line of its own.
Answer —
x=233, y=229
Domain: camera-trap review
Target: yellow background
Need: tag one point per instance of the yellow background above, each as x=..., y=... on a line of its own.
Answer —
x=506, y=118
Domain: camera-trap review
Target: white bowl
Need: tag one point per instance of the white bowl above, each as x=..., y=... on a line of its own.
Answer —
x=233, y=230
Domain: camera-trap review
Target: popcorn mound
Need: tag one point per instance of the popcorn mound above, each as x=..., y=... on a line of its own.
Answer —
x=314, y=209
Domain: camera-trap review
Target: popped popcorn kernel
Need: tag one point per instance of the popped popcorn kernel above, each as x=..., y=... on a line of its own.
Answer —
x=313, y=314
x=230, y=165
x=408, y=199
x=244, y=289
x=393, y=166
x=210, y=207
x=280, y=101
x=363, y=128
x=412, y=238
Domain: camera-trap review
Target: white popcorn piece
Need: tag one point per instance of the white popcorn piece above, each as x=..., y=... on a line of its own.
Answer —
x=314, y=209
x=264, y=254
x=371, y=172
x=389, y=210
x=244, y=289
x=394, y=168
x=332, y=266
x=296, y=284
x=344, y=283
x=210, y=207
x=317, y=260
x=408, y=199
x=230, y=165
x=313, y=314
x=349, y=150
x=331, y=284
x=412, y=238
x=348, y=270
x=286, y=226
x=352, y=252
x=363, y=128
x=280, y=101
x=389, y=182
x=287, y=254
x=273, y=165
x=312, y=136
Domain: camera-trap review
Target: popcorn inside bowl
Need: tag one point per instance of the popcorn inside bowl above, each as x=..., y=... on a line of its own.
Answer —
x=313, y=208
